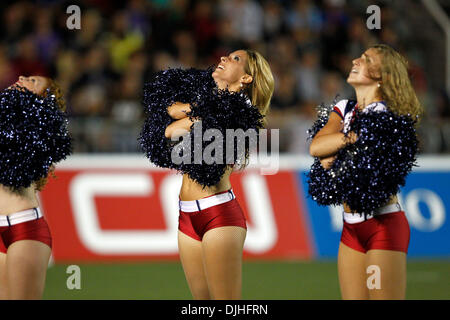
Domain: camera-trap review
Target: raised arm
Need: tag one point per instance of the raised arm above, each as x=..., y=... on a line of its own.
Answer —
x=178, y=110
x=330, y=139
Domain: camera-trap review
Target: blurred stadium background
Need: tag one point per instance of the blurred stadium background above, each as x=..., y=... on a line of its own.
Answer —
x=290, y=251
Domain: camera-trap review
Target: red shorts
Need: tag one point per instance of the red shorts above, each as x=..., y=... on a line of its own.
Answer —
x=31, y=230
x=386, y=232
x=196, y=224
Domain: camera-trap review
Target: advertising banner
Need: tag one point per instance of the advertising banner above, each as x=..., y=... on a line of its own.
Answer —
x=111, y=208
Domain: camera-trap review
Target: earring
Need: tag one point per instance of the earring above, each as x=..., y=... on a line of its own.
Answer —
x=242, y=85
x=379, y=85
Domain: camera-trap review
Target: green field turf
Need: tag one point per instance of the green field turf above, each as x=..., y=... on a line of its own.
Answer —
x=261, y=280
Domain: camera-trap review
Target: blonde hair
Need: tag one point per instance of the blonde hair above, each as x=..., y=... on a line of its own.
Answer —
x=396, y=88
x=52, y=89
x=260, y=90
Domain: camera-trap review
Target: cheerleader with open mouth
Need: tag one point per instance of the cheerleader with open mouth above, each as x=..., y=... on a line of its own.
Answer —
x=33, y=137
x=363, y=151
x=212, y=225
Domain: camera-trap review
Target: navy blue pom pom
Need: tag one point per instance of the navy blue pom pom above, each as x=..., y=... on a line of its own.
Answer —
x=165, y=88
x=217, y=109
x=367, y=173
x=322, y=187
x=33, y=136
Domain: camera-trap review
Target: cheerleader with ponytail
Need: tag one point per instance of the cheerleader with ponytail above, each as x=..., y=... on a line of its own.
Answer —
x=212, y=225
x=33, y=137
x=363, y=151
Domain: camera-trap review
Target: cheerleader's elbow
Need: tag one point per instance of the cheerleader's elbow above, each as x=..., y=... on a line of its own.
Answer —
x=313, y=150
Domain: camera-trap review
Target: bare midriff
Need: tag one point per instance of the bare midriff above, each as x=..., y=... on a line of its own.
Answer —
x=15, y=201
x=191, y=190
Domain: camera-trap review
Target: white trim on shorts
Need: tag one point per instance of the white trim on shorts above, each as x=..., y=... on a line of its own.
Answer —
x=361, y=217
x=204, y=203
x=20, y=217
